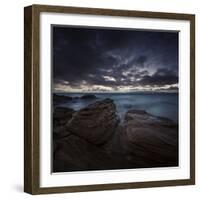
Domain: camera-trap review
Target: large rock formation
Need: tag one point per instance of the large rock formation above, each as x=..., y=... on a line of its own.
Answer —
x=146, y=140
x=96, y=123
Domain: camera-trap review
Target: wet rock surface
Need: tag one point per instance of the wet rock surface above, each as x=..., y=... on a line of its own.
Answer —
x=74, y=153
x=147, y=140
x=61, y=116
x=96, y=123
x=93, y=138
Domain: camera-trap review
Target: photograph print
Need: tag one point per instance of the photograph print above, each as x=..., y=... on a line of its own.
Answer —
x=114, y=98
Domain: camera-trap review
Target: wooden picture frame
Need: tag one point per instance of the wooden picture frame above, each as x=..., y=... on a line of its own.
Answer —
x=32, y=105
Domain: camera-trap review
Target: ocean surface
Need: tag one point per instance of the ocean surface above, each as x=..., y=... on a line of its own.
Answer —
x=158, y=104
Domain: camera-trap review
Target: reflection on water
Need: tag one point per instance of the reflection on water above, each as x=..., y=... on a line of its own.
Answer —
x=159, y=104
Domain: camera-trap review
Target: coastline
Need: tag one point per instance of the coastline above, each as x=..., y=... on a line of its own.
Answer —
x=95, y=138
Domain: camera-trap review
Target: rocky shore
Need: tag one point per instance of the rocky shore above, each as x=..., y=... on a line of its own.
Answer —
x=94, y=138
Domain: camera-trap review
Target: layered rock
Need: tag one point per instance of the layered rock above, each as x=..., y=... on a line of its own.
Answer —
x=146, y=140
x=73, y=153
x=95, y=123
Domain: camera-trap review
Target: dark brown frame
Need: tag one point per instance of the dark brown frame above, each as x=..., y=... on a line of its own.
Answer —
x=32, y=106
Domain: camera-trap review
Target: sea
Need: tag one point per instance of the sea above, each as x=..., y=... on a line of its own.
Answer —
x=160, y=104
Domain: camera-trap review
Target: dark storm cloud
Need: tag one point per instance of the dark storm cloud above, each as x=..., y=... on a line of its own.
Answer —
x=161, y=77
x=114, y=57
x=139, y=61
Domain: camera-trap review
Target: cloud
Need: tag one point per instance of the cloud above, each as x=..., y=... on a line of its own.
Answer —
x=113, y=58
x=109, y=78
x=160, y=77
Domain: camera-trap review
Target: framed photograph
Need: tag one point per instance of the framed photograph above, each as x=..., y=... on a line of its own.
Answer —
x=109, y=99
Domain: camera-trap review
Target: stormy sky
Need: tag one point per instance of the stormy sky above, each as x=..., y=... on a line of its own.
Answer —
x=113, y=60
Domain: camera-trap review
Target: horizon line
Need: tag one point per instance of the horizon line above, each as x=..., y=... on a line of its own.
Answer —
x=115, y=92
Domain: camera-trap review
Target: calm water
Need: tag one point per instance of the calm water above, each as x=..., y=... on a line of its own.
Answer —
x=159, y=104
